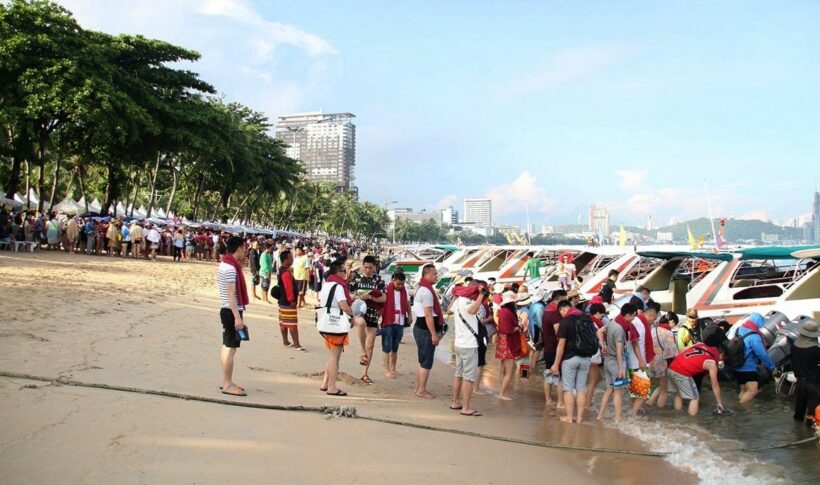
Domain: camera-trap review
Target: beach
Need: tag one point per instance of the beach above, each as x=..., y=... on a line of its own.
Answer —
x=155, y=326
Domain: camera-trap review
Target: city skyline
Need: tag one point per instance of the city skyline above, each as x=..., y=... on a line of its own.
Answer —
x=631, y=108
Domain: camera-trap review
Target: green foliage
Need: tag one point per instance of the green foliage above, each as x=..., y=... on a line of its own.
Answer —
x=110, y=117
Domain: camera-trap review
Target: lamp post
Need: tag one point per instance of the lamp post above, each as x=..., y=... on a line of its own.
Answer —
x=386, y=204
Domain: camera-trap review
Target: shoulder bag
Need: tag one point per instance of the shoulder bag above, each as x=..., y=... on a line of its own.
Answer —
x=330, y=319
x=481, y=340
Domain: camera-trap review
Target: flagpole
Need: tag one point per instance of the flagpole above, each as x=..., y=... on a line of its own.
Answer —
x=529, y=237
x=711, y=218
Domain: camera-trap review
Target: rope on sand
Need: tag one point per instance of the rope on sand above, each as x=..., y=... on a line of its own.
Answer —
x=350, y=412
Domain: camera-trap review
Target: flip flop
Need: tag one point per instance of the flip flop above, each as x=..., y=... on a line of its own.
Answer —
x=366, y=380
x=300, y=349
x=287, y=346
x=363, y=359
x=323, y=389
x=456, y=408
x=240, y=393
x=474, y=413
x=338, y=392
x=238, y=387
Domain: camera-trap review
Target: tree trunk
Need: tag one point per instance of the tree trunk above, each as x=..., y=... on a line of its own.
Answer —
x=136, y=191
x=264, y=221
x=112, y=191
x=153, y=185
x=41, y=178
x=80, y=172
x=28, y=181
x=174, y=177
x=245, y=200
x=13, y=184
x=54, y=181
x=198, y=195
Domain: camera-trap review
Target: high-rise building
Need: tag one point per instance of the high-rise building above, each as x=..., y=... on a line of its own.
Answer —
x=599, y=220
x=651, y=225
x=478, y=211
x=325, y=144
x=816, y=217
x=449, y=216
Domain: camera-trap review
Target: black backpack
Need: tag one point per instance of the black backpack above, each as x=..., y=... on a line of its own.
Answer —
x=586, y=336
x=735, y=351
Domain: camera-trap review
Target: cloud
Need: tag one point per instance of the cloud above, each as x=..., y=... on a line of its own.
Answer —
x=514, y=197
x=447, y=201
x=631, y=180
x=268, y=65
x=566, y=67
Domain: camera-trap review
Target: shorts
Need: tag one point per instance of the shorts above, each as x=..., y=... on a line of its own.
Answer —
x=333, y=340
x=265, y=283
x=574, y=374
x=391, y=338
x=744, y=377
x=684, y=386
x=230, y=337
x=154, y=245
x=302, y=285
x=424, y=345
x=611, y=372
x=371, y=319
x=564, y=281
x=255, y=280
x=466, y=363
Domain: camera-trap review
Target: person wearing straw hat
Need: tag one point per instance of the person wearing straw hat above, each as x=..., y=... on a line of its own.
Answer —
x=509, y=341
x=805, y=357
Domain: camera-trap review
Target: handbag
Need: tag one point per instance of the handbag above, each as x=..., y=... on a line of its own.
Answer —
x=478, y=338
x=332, y=320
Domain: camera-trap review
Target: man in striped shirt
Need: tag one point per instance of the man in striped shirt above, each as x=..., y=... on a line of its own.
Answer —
x=232, y=295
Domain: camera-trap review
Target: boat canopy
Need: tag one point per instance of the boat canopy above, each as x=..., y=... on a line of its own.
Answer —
x=775, y=252
x=686, y=254
x=807, y=254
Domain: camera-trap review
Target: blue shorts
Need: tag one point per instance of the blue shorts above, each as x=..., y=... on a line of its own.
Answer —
x=424, y=344
x=391, y=338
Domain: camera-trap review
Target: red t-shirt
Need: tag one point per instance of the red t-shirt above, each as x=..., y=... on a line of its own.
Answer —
x=692, y=361
x=548, y=321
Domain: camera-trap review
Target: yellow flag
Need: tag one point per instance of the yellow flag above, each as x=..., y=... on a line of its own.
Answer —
x=692, y=241
x=622, y=236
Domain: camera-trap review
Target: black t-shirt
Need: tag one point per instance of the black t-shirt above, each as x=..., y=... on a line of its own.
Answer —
x=566, y=329
x=361, y=283
x=805, y=363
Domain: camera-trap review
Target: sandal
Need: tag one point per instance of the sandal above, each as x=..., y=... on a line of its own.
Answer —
x=474, y=413
x=238, y=387
x=363, y=359
x=366, y=380
x=323, y=389
x=300, y=349
x=338, y=392
x=456, y=408
x=239, y=393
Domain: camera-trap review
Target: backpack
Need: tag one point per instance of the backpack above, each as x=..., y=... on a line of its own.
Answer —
x=735, y=351
x=586, y=336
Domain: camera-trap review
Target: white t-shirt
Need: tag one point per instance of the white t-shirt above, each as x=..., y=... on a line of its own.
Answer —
x=226, y=274
x=464, y=338
x=631, y=358
x=399, y=314
x=153, y=235
x=422, y=300
x=337, y=297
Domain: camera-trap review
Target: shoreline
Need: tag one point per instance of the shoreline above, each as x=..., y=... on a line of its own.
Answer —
x=154, y=325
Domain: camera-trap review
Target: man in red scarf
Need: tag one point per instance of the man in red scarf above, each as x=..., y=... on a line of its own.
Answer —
x=233, y=296
x=395, y=316
x=429, y=322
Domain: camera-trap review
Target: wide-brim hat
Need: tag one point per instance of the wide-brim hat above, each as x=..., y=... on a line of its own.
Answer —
x=572, y=294
x=807, y=335
x=524, y=299
x=508, y=297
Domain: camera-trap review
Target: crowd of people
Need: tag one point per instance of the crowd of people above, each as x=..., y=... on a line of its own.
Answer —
x=637, y=352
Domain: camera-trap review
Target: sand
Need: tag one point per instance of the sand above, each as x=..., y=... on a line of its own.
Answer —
x=156, y=326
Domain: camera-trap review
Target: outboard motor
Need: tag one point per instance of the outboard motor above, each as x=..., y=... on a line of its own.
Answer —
x=774, y=321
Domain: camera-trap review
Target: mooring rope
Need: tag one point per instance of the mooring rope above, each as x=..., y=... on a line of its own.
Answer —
x=351, y=412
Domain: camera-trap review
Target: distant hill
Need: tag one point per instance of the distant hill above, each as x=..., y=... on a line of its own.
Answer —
x=736, y=229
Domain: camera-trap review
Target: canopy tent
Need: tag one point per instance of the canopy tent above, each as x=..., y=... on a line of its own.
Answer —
x=774, y=252
x=120, y=210
x=686, y=254
x=161, y=213
x=141, y=212
x=95, y=206
x=69, y=206
x=9, y=202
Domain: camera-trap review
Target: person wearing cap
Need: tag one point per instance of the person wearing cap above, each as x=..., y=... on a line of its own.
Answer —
x=509, y=342
x=755, y=354
x=805, y=358
x=688, y=332
x=698, y=359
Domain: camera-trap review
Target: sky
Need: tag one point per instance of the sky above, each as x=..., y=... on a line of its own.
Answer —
x=547, y=105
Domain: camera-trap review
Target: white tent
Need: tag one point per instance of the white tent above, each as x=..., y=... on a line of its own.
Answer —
x=69, y=206
x=95, y=206
x=141, y=212
x=160, y=213
x=120, y=209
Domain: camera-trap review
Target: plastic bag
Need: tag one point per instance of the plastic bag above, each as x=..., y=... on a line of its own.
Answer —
x=640, y=385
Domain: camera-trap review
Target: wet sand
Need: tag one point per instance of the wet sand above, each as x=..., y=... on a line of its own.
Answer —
x=134, y=323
